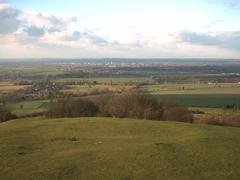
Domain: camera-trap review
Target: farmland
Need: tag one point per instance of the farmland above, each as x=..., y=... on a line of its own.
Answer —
x=28, y=87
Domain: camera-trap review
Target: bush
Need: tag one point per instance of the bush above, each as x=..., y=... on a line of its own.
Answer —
x=222, y=120
x=121, y=106
x=73, y=108
x=5, y=114
x=101, y=102
x=133, y=106
x=177, y=113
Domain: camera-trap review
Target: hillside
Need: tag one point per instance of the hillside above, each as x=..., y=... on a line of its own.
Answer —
x=102, y=148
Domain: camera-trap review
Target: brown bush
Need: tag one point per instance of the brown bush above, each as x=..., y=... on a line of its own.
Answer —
x=134, y=106
x=73, y=108
x=122, y=106
x=222, y=120
x=101, y=102
x=177, y=113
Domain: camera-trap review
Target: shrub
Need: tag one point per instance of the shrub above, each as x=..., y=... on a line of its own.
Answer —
x=5, y=114
x=134, y=106
x=177, y=113
x=73, y=108
x=121, y=106
x=222, y=120
x=101, y=102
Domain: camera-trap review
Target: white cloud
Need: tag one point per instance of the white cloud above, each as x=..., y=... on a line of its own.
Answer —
x=47, y=21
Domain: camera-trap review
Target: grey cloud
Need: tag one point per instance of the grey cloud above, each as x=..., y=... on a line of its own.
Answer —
x=76, y=34
x=230, y=40
x=53, y=29
x=35, y=31
x=95, y=39
x=199, y=38
x=8, y=19
x=3, y=1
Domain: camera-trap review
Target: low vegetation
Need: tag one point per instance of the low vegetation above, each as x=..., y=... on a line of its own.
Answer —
x=5, y=114
x=222, y=120
x=121, y=106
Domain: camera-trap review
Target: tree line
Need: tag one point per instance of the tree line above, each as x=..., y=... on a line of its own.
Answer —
x=120, y=106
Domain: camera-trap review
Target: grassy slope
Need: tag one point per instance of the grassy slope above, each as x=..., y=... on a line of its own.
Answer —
x=98, y=148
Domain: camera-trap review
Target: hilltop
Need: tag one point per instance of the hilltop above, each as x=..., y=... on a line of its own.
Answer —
x=106, y=148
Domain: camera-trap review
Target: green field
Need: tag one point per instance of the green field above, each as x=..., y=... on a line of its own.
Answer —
x=100, y=148
x=24, y=108
x=201, y=100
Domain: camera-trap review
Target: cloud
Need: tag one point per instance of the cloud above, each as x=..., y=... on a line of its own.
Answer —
x=33, y=22
x=85, y=35
x=47, y=21
x=31, y=27
x=9, y=21
x=3, y=1
x=230, y=40
x=40, y=34
x=35, y=31
x=93, y=38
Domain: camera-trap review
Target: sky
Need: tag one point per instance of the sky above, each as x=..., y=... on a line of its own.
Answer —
x=119, y=29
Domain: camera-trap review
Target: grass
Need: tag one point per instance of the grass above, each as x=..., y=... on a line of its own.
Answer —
x=23, y=108
x=101, y=148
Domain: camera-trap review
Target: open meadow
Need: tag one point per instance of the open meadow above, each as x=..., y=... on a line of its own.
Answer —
x=105, y=148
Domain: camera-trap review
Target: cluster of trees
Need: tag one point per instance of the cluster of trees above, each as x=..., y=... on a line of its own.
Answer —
x=120, y=106
x=5, y=114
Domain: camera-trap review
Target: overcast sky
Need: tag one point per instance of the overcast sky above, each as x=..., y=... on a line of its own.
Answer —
x=114, y=28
